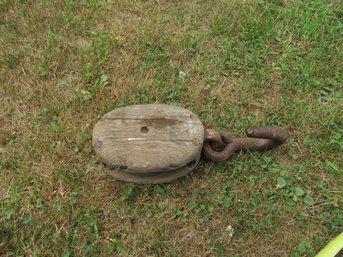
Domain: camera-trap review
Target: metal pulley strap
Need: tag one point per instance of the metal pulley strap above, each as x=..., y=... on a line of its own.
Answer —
x=261, y=138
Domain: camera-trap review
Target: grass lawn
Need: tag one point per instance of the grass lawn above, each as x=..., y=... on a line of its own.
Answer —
x=237, y=64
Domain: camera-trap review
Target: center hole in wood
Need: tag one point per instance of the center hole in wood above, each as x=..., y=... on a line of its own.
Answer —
x=144, y=129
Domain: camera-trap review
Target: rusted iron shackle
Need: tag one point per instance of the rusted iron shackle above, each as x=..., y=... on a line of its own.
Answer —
x=262, y=138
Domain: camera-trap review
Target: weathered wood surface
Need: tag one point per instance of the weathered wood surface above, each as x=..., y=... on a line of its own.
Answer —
x=148, y=138
x=154, y=177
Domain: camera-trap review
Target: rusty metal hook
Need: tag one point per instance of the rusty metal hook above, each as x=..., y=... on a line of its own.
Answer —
x=261, y=138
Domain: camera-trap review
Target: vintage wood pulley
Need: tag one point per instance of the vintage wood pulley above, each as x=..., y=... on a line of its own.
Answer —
x=158, y=143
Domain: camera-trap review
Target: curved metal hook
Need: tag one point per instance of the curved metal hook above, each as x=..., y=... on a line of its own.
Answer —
x=261, y=138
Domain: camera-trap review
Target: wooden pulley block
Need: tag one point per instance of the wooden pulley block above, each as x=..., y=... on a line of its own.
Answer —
x=157, y=143
x=152, y=143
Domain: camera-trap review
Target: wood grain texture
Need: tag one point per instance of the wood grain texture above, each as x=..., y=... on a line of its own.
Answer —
x=154, y=177
x=148, y=138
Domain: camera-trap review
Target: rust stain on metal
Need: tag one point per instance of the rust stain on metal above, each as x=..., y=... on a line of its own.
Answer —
x=262, y=138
